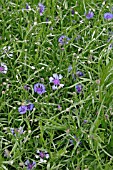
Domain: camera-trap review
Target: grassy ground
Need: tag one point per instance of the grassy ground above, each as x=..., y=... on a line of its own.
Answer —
x=75, y=129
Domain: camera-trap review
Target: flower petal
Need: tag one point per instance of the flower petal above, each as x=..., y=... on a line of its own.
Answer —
x=27, y=162
x=61, y=85
x=47, y=156
x=60, y=76
x=51, y=79
x=54, y=87
x=55, y=75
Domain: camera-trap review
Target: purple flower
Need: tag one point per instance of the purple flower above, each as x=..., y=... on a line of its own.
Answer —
x=85, y=121
x=3, y=68
x=79, y=74
x=56, y=81
x=22, y=109
x=30, y=165
x=39, y=88
x=78, y=88
x=20, y=130
x=7, y=153
x=89, y=15
x=30, y=106
x=59, y=107
x=12, y=130
x=69, y=68
x=63, y=40
x=27, y=6
x=76, y=139
x=41, y=8
x=108, y=16
x=71, y=140
x=72, y=12
x=43, y=155
x=27, y=87
x=78, y=37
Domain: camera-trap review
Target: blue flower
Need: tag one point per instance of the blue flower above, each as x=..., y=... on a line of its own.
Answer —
x=27, y=87
x=63, y=40
x=72, y=12
x=56, y=81
x=39, y=88
x=69, y=68
x=3, y=68
x=27, y=6
x=12, y=130
x=78, y=88
x=43, y=156
x=108, y=16
x=79, y=73
x=41, y=8
x=30, y=165
x=22, y=109
x=30, y=106
x=89, y=15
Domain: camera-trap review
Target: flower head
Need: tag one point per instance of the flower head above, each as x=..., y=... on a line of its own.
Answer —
x=30, y=106
x=78, y=88
x=89, y=15
x=43, y=155
x=108, y=16
x=27, y=87
x=72, y=141
x=7, y=153
x=63, y=40
x=70, y=68
x=75, y=139
x=72, y=12
x=27, y=6
x=12, y=130
x=41, y=8
x=85, y=121
x=39, y=88
x=15, y=130
x=79, y=74
x=20, y=130
x=22, y=109
x=30, y=165
x=56, y=81
x=3, y=68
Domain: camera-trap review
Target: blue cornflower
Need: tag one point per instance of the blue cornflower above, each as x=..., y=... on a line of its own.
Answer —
x=89, y=15
x=22, y=109
x=69, y=68
x=30, y=165
x=56, y=81
x=12, y=130
x=71, y=140
x=43, y=156
x=20, y=130
x=3, y=68
x=41, y=8
x=85, y=121
x=39, y=88
x=78, y=88
x=108, y=16
x=15, y=130
x=63, y=40
x=27, y=6
x=72, y=12
x=79, y=74
x=76, y=139
x=30, y=106
x=27, y=87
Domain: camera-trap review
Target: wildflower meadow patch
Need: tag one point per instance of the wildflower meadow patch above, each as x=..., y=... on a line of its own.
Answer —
x=56, y=85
